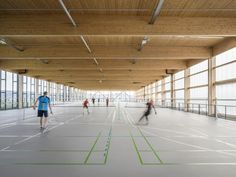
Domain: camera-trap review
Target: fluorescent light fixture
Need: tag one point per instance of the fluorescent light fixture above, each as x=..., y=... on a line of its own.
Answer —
x=144, y=42
x=95, y=61
x=3, y=42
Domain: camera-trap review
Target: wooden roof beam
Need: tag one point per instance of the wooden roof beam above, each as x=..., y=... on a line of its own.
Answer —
x=107, y=52
x=86, y=65
x=55, y=24
x=225, y=45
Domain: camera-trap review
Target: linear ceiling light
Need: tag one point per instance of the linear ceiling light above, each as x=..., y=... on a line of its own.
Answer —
x=144, y=42
x=96, y=61
x=86, y=44
x=156, y=11
x=5, y=41
x=67, y=13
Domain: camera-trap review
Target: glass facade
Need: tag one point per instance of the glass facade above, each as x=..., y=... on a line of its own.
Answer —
x=12, y=88
x=193, y=95
x=114, y=96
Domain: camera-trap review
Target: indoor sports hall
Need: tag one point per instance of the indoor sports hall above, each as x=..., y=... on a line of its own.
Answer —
x=99, y=88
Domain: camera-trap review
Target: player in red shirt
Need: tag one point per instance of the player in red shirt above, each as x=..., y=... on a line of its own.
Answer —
x=85, y=105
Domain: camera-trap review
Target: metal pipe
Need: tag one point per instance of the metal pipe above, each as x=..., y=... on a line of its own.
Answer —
x=86, y=44
x=67, y=12
x=156, y=11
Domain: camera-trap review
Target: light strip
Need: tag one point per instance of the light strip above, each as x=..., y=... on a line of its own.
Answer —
x=95, y=61
x=67, y=13
x=156, y=12
x=86, y=44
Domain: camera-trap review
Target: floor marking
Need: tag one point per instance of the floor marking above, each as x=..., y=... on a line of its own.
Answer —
x=48, y=150
x=149, y=144
x=198, y=131
x=26, y=139
x=179, y=142
x=149, y=164
x=90, y=152
x=14, y=136
x=226, y=143
x=108, y=145
x=136, y=148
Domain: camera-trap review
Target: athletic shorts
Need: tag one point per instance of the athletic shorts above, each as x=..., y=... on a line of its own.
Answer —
x=85, y=107
x=42, y=113
x=147, y=113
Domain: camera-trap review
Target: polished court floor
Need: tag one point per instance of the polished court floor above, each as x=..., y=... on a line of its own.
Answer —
x=108, y=142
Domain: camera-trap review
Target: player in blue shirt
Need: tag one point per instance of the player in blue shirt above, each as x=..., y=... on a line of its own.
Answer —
x=44, y=103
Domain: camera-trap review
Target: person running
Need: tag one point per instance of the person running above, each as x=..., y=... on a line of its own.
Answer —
x=44, y=103
x=150, y=105
x=85, y=105
x=93, y=100
x=107, y=102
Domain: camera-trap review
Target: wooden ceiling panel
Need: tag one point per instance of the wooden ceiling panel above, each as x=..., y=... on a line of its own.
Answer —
x=199, y=8
x=113, y=29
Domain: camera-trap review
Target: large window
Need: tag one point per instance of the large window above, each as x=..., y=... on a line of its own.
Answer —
x=3, y=89
x=28, y=91
x=225, y=82
x=179, y=88
x=9, y=89
x=199, y=83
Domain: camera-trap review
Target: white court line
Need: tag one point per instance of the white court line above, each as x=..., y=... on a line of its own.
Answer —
x=187, y=144
x=26, y=139
x=226, y=143
x=198, y=131
x=163, y=129
x=14, y=136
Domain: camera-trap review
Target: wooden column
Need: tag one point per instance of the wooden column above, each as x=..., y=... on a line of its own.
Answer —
x=186, y=88
x=211, y=87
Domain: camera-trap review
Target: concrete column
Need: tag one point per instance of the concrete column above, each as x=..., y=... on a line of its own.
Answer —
x=186, y=88
x=163, y=93
x=20, y=92
x=211, y=87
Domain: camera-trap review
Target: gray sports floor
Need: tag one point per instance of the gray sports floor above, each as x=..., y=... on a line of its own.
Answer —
x=108, y=143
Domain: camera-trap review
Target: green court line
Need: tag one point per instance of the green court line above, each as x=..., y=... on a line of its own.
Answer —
x=90, y=152
x=109, y=143
x=149, y=144
x=136, y=148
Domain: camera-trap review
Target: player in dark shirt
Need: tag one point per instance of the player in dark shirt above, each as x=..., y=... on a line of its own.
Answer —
x=150, y=105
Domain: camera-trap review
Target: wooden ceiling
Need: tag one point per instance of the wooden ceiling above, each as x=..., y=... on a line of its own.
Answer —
x=184, y=33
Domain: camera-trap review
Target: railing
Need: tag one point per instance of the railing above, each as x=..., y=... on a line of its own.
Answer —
x=218, y=111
